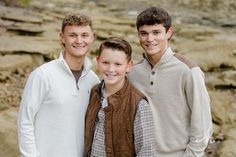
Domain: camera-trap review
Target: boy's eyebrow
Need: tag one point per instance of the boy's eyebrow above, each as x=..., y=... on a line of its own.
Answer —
x=150, y=31
x=143, y=31
x=77, y=33
x=71, y=32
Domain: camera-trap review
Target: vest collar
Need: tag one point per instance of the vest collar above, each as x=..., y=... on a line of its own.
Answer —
x=112, y=99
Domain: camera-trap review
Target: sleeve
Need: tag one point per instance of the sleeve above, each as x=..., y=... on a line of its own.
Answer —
x=33, y=95
x=201, y=121
x=144, y=131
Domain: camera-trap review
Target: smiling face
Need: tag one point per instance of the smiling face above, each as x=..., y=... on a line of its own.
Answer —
x=154, y=30
x=77, y=40
x=113, y=66
x=154, y=40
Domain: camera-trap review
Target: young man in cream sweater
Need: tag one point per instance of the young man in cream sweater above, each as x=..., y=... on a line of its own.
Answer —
x=175, y=88
x=56, y=95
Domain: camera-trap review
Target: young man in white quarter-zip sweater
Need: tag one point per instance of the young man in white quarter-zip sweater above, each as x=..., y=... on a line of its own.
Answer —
x=175, y=88
x=56, y=95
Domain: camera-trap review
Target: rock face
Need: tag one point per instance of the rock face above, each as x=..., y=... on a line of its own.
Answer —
x=204, y=31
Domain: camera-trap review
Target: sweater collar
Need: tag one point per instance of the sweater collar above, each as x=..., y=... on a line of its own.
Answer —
x=164, y=58
x=86, y=66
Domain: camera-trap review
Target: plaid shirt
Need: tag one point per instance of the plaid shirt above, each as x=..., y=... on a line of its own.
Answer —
x=143, y=132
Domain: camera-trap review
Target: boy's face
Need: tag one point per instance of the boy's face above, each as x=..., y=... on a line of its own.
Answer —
x=77, y=40
x=113, y=65
x=154, y=39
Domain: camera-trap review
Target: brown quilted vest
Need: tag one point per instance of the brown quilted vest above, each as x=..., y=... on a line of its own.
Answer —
x=119, y=119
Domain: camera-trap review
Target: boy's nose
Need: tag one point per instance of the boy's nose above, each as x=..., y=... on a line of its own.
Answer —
x=111, y=68
x=78, y=39
x=150, y=37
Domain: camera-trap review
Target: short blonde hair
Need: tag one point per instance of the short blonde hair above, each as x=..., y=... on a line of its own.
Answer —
x=76, y=19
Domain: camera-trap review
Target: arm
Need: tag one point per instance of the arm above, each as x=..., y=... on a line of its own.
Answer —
x=144, y=131
x=201, y=122
x=32, y=97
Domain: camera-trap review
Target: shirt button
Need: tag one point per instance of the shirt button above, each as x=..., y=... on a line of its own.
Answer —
x=153, y=72
x=151, y=83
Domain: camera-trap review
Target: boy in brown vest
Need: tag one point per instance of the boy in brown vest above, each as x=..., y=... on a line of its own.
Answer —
x=119, y=120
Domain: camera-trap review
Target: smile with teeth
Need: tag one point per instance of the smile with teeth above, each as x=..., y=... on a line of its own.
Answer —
x=110, y=75
x=78, y=46
x=150, y=46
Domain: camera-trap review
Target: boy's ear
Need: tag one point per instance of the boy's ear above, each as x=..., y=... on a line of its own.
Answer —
x=170, y=32
x=62, y=37
x=97, y=58
x=94, y=36
x=130, y=64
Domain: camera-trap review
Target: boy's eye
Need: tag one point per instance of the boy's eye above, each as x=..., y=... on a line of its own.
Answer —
x=156, y=32
x=85, y=35
x=72, y=35
x=143, y=33
x=117, y=64
x=105, y=62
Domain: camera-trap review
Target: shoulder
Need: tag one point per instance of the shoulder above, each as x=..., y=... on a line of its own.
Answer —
x=193, y=67
x=144, y=109
x=49, y=64
x=137, y=69
x=142, y=103
x=138, y=63
x=96, y=87
x=47, y=67
x=134, y=89
x=136, y=92
x=183, y=59
x=93, y=76
x=39, y=71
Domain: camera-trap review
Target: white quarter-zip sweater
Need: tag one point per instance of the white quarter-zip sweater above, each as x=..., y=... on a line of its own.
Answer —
x=180, y=104
x=52, y=110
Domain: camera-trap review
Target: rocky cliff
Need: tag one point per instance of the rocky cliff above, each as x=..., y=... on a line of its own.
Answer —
x=204, y=31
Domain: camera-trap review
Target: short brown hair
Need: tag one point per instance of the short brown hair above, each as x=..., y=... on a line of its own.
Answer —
x=76, y=19
x=116, y=43
x=152, y=16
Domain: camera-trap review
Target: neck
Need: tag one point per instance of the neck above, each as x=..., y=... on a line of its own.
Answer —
x=112, y=89
x=75, y=63
x=155, y=58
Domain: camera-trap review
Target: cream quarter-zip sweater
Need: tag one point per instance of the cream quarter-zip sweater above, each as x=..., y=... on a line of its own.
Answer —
x=52, y=110
x=180, y=104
